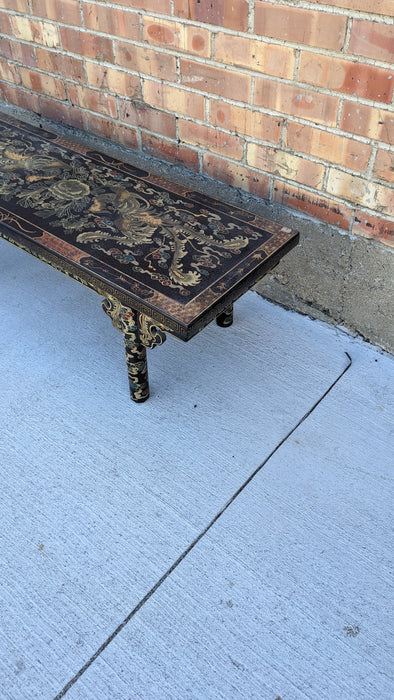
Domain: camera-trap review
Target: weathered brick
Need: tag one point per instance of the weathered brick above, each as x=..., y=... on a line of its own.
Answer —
x=5, y=24
x=110, y=20
x=384, y=167
x=112, y=130
x=296, y=101
x=255, y=55
x=146, y=61
x=140, y=114
x=16, y=51
x=24, y=53
x=44, y=84
x=19, y=97
x=373, y=227
x=232, y=15
x=286, y=165
x=93, y=100
x=6, y=49
x=176, y=35
x=60, y=64
x=15, y=6
x=158, y=6
x=60, y=10
x=215, y=80
x=321, y=29
x=33, y=30
x=245, y=121
x=346, y=76
x=372, y=39
x=112, y=80
x=211, y=139
x=330, y=147
x=170, y=151
x=355, y=189
x=368, y=121
x=62, y=112
x=86, y=44
x=9, y=73
x=174, y=99
x=236, y=175
x=313, y=204
x=378, y=7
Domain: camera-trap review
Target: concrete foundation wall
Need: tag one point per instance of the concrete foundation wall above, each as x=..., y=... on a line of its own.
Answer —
x=338, y=279
x=341, y=279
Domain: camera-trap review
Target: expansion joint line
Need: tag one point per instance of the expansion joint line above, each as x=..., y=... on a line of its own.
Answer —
x=197, y=539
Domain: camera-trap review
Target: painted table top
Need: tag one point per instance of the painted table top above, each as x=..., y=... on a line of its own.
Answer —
x=173, y=253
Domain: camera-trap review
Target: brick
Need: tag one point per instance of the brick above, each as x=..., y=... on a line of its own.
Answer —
x=330, y=147
x=85, y=44
x=59, y=64
x=355, y=189
x=174, y=99
x=16, y=51
x=141, y=115
x=211, y=139
x=6, y=48
x=208, y=79
x=372, y=39
x=66, y=11
x=44, y=84
x=19, y=97
x=170, y=151
x=378, y=7
x=286, y=165
x=5, y=24
x=113, y=131
x=321, y=29
x=177, y=36
x=313, y=204
x=236, y=175
x=245, y=121
x=119, y=23
x=15, y=6
x=146, y=61
x=384, y=166
x=112, y=80
x=33, y=30
x=24, y=53
x=255, y=55
x=159, y=6
x=296, y=101
x=368, y=121
x=373, y=227
x=93, y=100
x=221, y=13
x=62, y=112
x=346, y=76
x=9, y=73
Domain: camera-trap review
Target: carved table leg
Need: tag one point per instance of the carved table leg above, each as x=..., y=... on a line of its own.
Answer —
x=139, y=333
x=137, y=368
x=225, y=319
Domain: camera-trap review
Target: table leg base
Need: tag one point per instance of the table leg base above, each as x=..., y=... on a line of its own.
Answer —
x=225, y=319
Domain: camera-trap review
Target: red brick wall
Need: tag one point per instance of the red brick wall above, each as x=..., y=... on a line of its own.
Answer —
x=292, y=101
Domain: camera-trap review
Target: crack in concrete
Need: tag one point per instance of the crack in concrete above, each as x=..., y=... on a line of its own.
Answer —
x=169, y=571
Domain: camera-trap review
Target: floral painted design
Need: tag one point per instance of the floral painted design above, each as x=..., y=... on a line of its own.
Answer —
x=154, y=235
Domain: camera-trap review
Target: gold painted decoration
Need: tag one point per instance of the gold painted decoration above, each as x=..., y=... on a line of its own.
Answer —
x=174, y=255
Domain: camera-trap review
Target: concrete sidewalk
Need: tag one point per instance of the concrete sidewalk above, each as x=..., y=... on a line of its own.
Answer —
x=138, y=557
